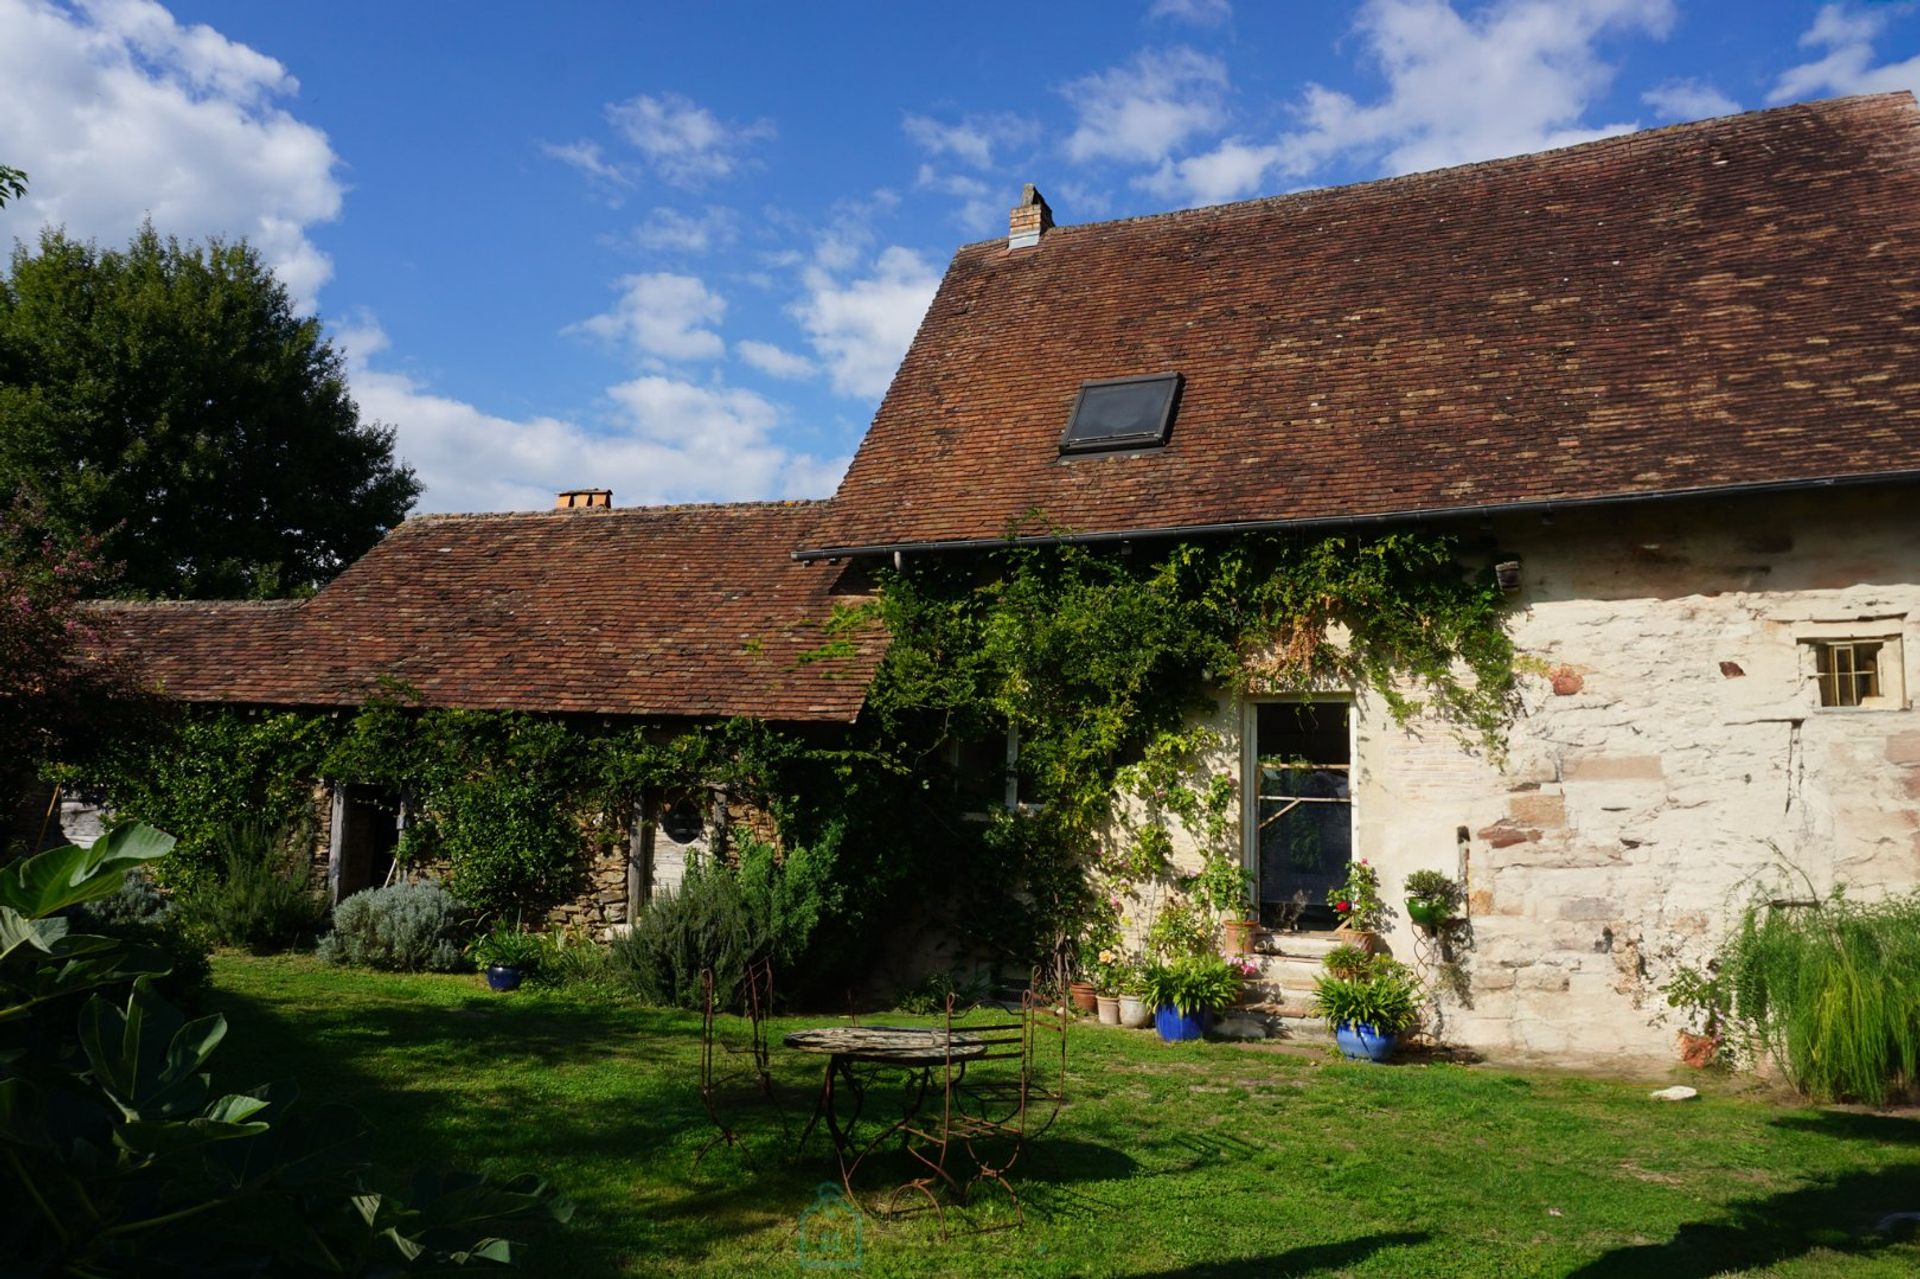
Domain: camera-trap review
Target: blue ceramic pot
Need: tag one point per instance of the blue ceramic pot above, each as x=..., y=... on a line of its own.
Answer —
x=1362, y=1042
x=1175, y=1028
x=501, y=977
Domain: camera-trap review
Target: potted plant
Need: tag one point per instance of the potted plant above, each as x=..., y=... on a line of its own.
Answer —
x=1432, y=899
x=1358, y=903
x=1348, y=961
x=1106, y=983
x=1370, y=1010
x=1707, y=1002
x=1225, y=887
x=507, y=955
x=1187, y=992
x=1136, y=1005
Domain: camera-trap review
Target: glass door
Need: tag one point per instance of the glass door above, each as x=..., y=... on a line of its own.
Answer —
x=1303, y=813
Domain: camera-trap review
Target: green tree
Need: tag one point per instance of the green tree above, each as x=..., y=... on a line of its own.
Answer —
x=13, y=184
x=168, y=399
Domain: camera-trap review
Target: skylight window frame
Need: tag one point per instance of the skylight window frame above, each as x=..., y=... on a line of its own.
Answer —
x=1133, y=441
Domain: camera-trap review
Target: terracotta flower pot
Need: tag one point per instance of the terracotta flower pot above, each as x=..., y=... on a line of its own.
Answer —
x=1697, y=1050
x=1239, y=937
x=1084, y=997
x=1109, y=1010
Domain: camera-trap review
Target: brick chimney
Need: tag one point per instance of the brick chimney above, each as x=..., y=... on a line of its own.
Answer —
x=1031, y=219
x=574, y=499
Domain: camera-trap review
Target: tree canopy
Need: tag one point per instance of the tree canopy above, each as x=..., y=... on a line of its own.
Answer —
x=167, y=399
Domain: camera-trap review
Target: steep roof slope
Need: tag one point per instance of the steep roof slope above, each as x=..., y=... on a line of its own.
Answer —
x=1725, y=304
x=688, y=611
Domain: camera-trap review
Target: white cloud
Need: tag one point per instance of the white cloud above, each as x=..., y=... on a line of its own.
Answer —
x=970, y=140
x=1688, y=100
x=663, y=440
x=117, y=113
x=1201, y=13
x=978, y=211
x=672, y=231
x=1847, y=36
x=663, y=315
x=1513, y=77
x=587, y=158
x=1148, y=108
x=861, y=328
x=1234, y=169
x=686, y=144
x=773, y=360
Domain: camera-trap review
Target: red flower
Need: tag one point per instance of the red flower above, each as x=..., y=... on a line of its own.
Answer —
x=1343, y=907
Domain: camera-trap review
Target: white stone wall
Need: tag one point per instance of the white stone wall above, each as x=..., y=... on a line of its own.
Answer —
x=1671, y=757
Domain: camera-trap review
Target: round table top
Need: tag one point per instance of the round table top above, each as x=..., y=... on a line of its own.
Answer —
x=907, y=1045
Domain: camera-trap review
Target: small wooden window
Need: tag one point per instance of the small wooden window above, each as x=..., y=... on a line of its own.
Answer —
x=1848, y=671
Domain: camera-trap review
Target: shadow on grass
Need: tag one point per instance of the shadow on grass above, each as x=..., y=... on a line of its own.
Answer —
x=1311, y=1260
x=1838, y=1215
x=1854, y=1125
x=601, y=1100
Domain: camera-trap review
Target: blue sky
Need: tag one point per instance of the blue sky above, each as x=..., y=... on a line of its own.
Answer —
x=678, y=250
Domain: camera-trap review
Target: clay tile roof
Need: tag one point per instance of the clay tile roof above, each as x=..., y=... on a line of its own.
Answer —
x=691, y=611
x=1718, y=305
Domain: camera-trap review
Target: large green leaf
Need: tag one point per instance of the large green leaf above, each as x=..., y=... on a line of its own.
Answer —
x=224, y=1120
x=49, y=882
x=147, y=1056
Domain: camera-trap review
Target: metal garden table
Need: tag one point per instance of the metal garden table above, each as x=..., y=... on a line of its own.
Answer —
x=856, y=1057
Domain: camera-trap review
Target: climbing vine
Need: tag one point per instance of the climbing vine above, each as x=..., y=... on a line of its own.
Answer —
x=1100, y=663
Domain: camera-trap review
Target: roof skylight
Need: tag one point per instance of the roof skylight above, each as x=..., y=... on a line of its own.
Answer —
x=1121, y=413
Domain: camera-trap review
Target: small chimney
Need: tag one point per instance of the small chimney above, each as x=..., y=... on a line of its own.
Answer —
x=1031, y=219
x=574, y=499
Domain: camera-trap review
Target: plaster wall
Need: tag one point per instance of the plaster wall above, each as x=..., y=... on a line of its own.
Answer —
x=1670, y=758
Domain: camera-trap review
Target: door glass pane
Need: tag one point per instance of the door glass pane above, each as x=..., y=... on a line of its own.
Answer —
x=1304, y=808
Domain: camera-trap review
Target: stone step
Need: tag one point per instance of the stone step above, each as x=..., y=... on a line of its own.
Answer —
x=1300, y=945
x=1293, y=972
x=1279, y=1019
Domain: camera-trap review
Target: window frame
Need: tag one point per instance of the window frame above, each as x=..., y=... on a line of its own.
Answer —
x=1250, y=771
x=1156, y=438
x=1889, y=666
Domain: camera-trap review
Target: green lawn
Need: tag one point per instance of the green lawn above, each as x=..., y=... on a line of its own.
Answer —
x=1196, y=1160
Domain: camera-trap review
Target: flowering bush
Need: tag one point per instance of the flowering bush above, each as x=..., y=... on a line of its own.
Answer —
x=1358, y=902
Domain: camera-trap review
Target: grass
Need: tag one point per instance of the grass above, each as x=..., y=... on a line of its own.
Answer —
x=1189, y=1160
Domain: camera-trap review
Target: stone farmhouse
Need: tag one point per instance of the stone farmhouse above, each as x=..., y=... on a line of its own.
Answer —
x=1669, y=381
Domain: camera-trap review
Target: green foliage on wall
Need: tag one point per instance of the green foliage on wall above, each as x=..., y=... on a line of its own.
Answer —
x=1098, y=659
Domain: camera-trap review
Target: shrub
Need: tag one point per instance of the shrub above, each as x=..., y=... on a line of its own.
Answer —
x=571, y=959
x=725, y=918
x=1831, y=993
x=930, y=993
x=703, y=925
x=138, y=914
x=402, y=928
x=260, y=898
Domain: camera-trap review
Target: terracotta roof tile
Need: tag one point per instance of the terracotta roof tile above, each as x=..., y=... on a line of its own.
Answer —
x=1715, y=305
x=691, y=611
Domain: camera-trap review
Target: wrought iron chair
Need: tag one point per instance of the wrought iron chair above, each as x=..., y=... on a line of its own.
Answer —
x=736, y=1074
x=987, y=1112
